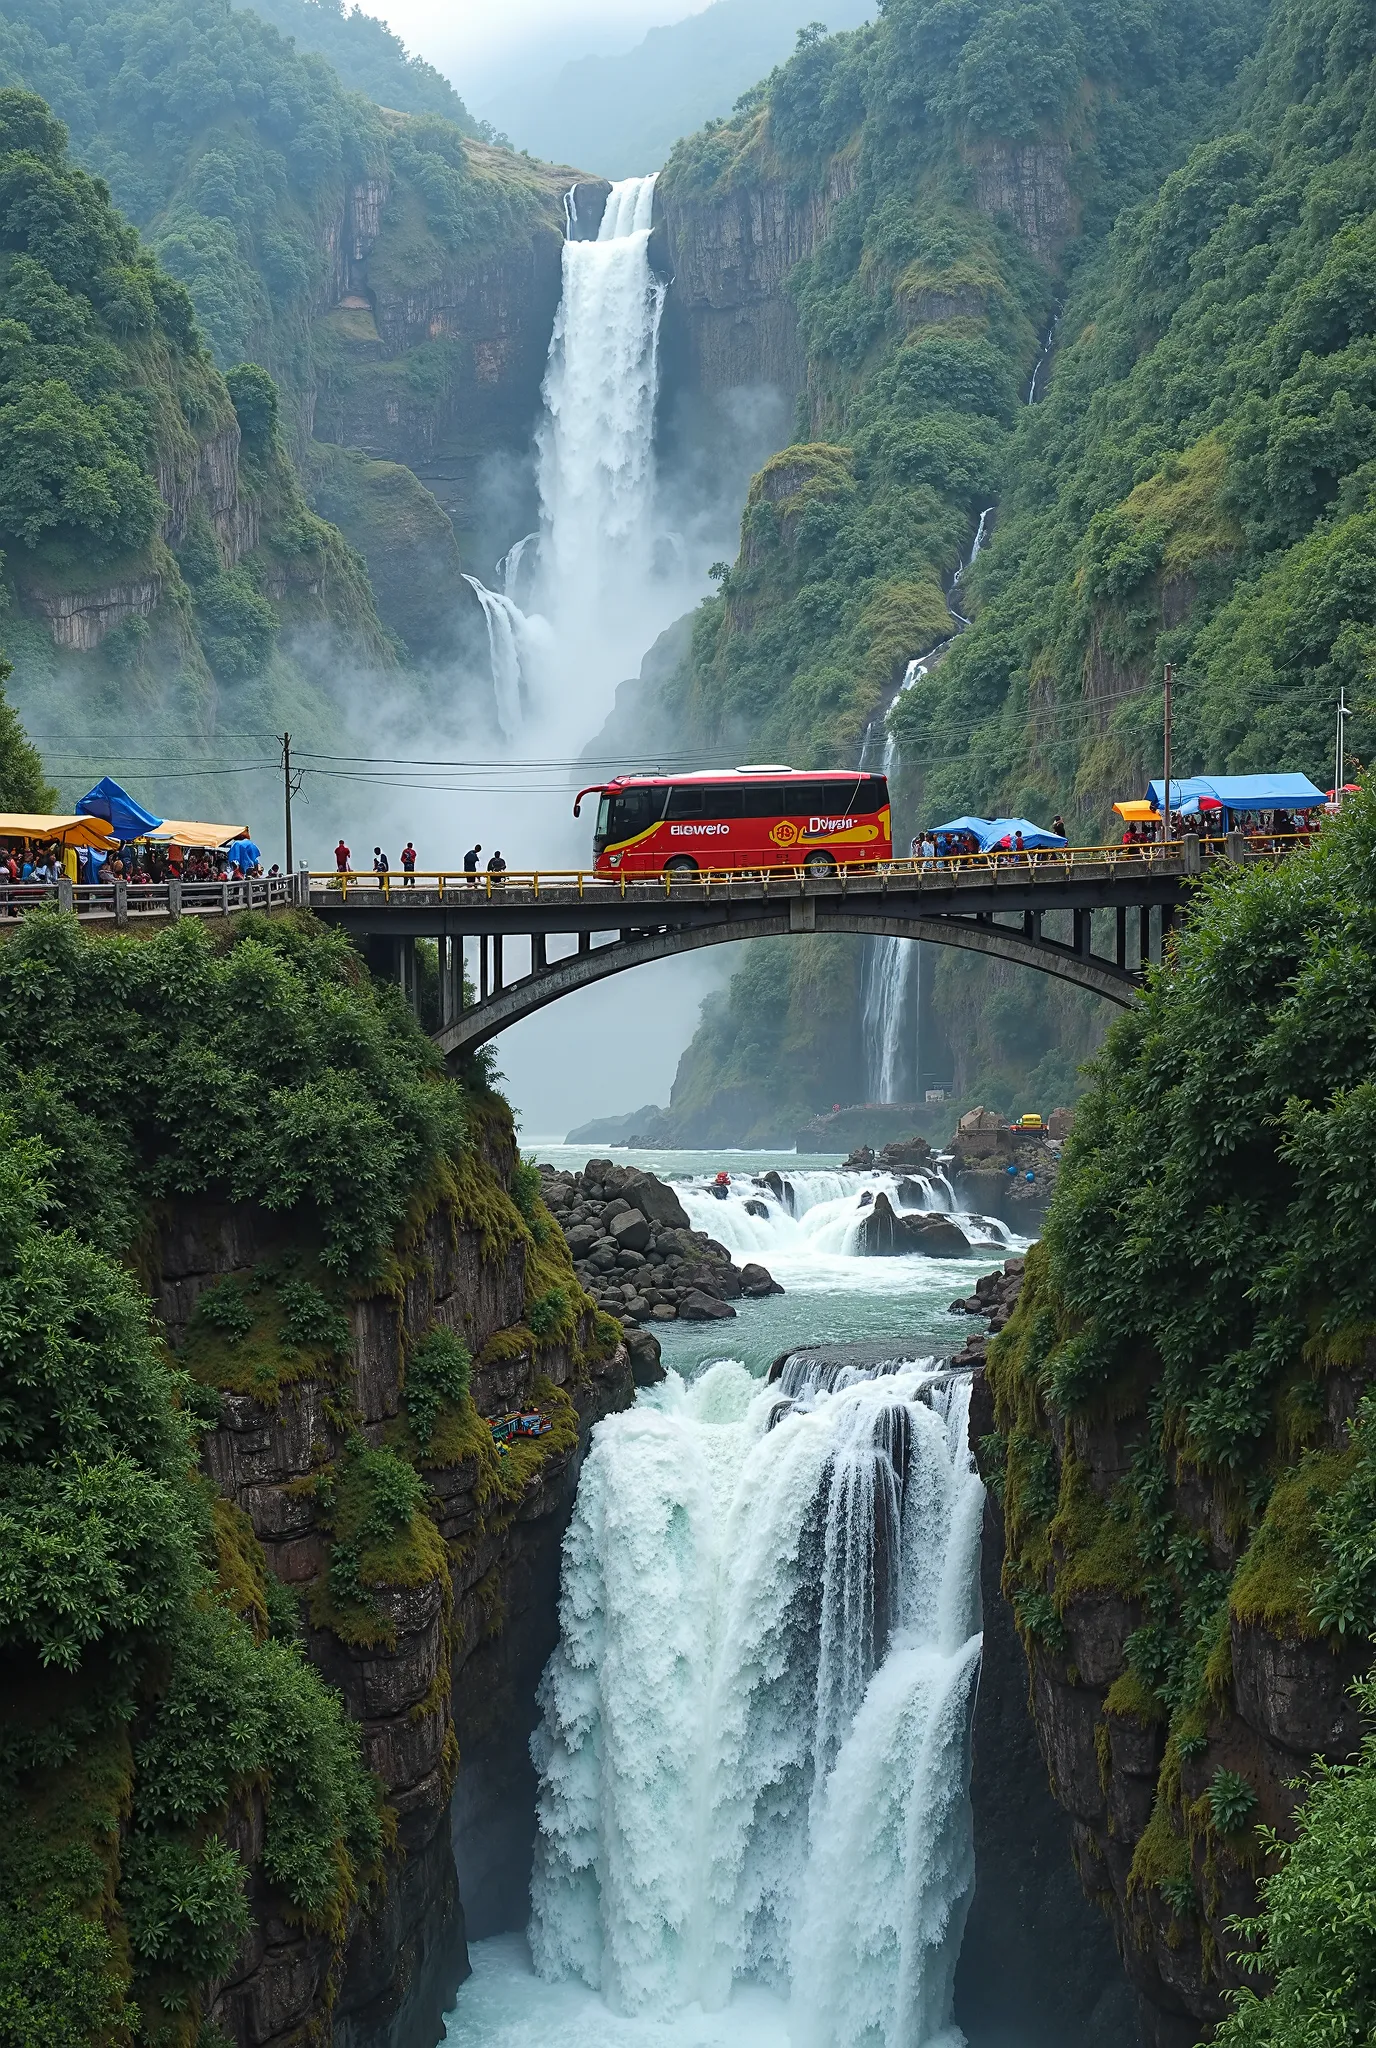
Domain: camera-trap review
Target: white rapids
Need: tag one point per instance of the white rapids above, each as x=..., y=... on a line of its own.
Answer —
x=807, y=1229
x=754, y=1753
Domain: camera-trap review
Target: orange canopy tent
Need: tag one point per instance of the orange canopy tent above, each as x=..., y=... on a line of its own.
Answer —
x=190, y=832
x=71, y=830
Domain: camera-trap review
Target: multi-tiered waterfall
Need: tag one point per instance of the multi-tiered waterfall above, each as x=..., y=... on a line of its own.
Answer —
x=590, y=576
x=753, y=1753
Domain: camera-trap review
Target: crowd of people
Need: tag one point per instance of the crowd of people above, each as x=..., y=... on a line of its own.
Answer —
x=35, y=865
x=1263, y=830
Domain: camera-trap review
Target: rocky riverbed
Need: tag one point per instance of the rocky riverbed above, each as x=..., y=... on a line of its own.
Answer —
x=635, y=1250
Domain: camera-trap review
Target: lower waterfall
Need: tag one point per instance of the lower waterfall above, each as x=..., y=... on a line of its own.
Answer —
x=754, y=1754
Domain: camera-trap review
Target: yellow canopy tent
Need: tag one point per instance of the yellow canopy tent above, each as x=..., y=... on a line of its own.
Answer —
x=1137, y=811
x=71, y=830
x=190, y=832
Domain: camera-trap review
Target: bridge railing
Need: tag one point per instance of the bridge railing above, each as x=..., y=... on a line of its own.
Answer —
x=138, y=902
x=1052, y=862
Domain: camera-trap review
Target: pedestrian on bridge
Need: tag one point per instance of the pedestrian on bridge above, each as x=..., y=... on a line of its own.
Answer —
x=408, y=862
x=497, y=866
x=470, y=865
x=381, y=866
x=342, y=856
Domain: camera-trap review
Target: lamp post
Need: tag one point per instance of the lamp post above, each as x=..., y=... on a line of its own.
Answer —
x=1166, y=749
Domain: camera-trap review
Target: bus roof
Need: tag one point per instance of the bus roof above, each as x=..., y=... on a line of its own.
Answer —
x=740, y=774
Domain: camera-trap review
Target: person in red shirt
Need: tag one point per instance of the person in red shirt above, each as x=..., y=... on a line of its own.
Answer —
x=408, y=862
x=342, y=857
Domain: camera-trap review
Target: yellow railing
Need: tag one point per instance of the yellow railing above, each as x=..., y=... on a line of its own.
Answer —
x=1049, y=861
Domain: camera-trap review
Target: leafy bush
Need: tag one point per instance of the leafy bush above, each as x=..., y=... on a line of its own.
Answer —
x=438, y=1371
x=1232, y=1802
x=308, y=1318
x=184, y=1903
x=337, y=1113
x=1314, y=1938
x=254, y=396
x=225, y=1308
x=547, y=1311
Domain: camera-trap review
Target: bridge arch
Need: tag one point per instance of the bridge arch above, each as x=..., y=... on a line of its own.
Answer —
x=520, y=999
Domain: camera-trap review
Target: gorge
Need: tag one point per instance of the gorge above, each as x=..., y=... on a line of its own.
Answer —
x=785, y=1667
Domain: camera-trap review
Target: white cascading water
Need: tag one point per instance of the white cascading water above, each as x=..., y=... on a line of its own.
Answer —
x=884, y=997
x=508, y=637
x=595, y=445
x=754, y=1752
x=800, y=1220
x=509, y=568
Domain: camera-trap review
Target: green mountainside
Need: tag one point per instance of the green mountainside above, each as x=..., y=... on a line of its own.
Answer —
x=1192, y=484
x=370, y=59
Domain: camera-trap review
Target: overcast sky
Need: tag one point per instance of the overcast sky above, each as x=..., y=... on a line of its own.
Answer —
x=480, y=44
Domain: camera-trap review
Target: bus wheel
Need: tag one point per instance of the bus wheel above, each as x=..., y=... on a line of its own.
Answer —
x=820, y=864
x=681, y=864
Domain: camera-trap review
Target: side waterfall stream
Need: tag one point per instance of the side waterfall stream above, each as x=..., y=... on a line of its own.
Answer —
x=753, y=1748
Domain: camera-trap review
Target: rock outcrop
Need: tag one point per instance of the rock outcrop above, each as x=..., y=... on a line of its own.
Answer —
x=441, y=1682
x=1148, y=1834
x=886, y=1232
x=729, y=322
x=635, y=1251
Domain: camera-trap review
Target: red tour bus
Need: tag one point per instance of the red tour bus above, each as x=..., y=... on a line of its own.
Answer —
x=815, y=818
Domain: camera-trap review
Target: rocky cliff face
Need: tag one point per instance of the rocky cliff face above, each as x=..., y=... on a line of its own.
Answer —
x=728, y=322
x=442, y=1687
x=1151, y=1839
x=434, y=356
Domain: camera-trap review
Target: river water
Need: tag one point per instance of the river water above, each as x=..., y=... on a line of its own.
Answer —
x=754, y=1740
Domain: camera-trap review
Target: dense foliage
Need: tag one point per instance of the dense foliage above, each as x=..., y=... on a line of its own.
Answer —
x=236, y=153
x=982, y=154
x=131, y=1692
x=1317, y=1936
x=1195, y=486
x=370, y=59
x=1207, y=1279
x=264, y=1067
x=84, y=308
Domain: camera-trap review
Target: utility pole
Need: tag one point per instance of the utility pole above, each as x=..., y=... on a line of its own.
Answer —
x=291, y=784
x=1166, y=791
x=1339, y=750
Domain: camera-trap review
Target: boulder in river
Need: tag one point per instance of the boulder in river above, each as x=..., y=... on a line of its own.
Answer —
x=631, y=1230
x=889, y=1233
x=646, y=1369
x=757, y=1281
x=698, y=1307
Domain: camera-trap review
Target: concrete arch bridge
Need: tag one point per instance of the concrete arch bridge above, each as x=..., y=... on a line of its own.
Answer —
x=1096, y=917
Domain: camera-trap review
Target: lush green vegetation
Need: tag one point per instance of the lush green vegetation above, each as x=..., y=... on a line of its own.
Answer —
x=1195, y=486
x=921, y=315
x=301, y=1084
x=236, y=153
x=370, y=59
x=1208, y=1265
x=1315, y=1936
x=140, y=1708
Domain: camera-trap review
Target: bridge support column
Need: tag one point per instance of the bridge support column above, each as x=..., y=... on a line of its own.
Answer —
x=585, y=942
x=451, y=980
x=1084, y=933
x=496, y=963
x=1144, y=936
x=1120, y=947
x=538, y=960
x=482, y=967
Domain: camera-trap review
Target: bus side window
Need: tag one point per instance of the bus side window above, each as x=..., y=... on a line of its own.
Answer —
x=766, y=800
x=687, y=801
x=874, y=794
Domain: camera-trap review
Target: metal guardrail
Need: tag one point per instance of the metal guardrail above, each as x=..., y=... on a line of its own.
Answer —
x=1053, y=863
x=132, y=903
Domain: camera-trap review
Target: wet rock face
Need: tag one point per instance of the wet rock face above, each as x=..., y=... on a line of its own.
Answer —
x=455, y=1662
x=887, y=1232
x=1283, y=1702
x=635, y=1251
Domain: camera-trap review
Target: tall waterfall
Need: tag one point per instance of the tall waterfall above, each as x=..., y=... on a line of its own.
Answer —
x=754, y=1753
x=884, y=996
x=595, y=444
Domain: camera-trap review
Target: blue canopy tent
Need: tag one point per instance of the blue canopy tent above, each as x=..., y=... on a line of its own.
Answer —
x=127, y=820
x=989, y=831
x=242, y=854
x=1239, y=793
